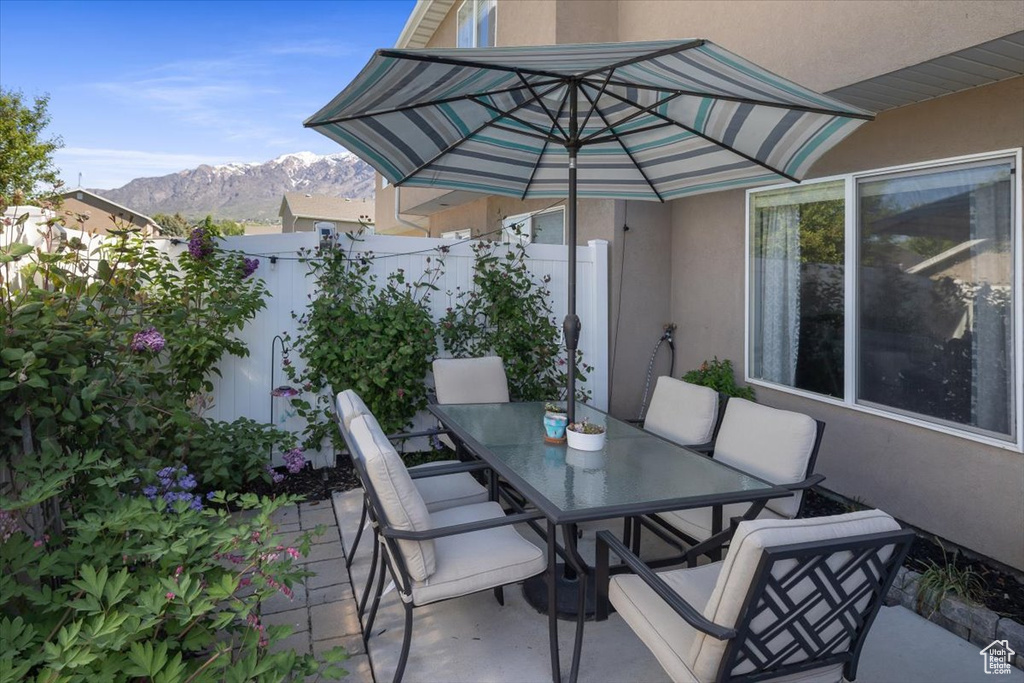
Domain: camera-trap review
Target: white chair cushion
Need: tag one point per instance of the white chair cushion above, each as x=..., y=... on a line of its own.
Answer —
x=448, y=490
x=697, y=523
x=470, y=380
x=682, y=412
x=667, y=635
x=403, y=505
x=774, y=445
x=468, y=563
x=740, y=564
x=663, y=631
x=350, y=406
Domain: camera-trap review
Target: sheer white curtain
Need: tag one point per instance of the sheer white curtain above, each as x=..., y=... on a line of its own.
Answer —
x=779, y=263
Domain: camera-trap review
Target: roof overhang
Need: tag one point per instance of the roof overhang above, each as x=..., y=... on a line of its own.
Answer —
x=982, y=64
x=425, y=18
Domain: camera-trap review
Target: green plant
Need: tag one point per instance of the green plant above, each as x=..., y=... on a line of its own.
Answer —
x=949, y=578
x=556, y=408
x=358, y=332
x=507, y=313
x=719, y=375
x=142, y=585
x=585, y=426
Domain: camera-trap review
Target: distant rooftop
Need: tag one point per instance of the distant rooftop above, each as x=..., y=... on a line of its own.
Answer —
x=325, y=207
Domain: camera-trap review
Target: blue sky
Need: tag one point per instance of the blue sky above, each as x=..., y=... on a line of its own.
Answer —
x=150, y=88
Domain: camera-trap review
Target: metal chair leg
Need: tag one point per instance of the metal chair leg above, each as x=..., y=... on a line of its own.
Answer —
x=406, y=642
x=627, y=531
x=359, y=534
x=581, y=614
x=376, y=602
x=499, y=595
x=556, y=672
x=364, y=598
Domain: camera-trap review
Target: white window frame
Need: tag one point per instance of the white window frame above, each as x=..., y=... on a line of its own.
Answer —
x=476, y=6
x=508, y=234
x=850, y=327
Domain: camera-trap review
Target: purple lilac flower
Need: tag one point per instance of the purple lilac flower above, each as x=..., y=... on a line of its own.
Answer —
x=275, y=476
x=174, y=485
x=200, y=245
x=249, y=267
x=294, y=460
x=148, y=340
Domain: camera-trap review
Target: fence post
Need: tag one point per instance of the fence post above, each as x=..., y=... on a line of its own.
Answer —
x=600, y=305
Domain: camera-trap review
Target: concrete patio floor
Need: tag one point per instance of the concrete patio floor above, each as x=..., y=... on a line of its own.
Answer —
x=474, y=640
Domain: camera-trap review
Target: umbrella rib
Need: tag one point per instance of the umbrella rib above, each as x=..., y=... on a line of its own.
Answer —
x=407, y=107
x=593, y=103
x=547, y=111
x=642, y=110
x=625, y=149
x=436, y=59
x=465, y=138
x=513, y=118
x=680, y=47
x=544, y=149
x=741, y=100
x=711, y=140
x=645, y=129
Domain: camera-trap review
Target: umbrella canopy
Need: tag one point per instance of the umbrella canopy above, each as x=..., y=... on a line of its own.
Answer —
x=652, y=121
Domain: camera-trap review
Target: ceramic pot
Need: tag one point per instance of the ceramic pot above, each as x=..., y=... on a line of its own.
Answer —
x=554, y=427
x=585, y=442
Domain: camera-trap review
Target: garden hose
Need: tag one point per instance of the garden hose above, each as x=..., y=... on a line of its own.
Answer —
x=665, y=337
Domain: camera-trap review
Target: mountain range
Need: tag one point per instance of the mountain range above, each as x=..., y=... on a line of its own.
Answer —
x=250, y=191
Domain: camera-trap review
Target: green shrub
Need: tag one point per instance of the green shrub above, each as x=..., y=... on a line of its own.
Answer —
x=719, y=375
x=136, y=587
x=508, y=313
x=377, y=338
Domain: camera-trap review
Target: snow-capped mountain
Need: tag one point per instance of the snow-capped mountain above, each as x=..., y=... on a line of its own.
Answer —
x=246, y=191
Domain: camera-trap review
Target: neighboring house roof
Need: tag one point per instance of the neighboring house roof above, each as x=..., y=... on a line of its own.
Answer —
x=426, y=16
x=87, y=195
x=326, y=208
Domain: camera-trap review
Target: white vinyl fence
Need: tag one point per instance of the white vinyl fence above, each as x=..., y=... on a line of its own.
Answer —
x=243, y=389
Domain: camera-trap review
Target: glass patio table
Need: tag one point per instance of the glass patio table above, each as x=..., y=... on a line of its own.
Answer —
x=636, y=473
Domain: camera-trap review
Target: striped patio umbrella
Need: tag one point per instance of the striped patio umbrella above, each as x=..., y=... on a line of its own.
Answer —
x=652, y=121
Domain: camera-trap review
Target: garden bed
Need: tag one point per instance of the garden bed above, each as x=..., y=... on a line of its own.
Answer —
x=1003, y=593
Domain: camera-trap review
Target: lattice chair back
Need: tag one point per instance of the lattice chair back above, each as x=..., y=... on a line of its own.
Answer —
x=801, y=595
x=470, y=380
x=682, y=412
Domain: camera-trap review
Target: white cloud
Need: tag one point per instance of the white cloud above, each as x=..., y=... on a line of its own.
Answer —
x=110, y=168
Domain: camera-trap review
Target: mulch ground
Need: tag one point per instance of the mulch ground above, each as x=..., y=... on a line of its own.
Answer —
x=1003, y=592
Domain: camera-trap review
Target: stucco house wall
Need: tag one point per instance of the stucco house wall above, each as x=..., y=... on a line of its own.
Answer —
x=966, y=491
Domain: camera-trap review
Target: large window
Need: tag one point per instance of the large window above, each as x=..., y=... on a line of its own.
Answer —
x=544, y=227
x=476, y=23
x=892, y=291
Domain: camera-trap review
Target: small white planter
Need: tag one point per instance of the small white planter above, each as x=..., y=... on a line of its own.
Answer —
x=585, y=442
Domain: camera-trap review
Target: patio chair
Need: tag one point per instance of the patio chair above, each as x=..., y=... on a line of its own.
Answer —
x=793, y=600
x=435, y=556
x=778, y=446
x=439, y=491
x=469, y=380
x=684, y=413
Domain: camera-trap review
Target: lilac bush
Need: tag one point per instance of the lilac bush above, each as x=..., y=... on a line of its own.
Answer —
x=148, y=340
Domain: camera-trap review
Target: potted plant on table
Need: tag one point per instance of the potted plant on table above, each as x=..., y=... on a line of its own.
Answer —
x=585, y=435
x=555, y=421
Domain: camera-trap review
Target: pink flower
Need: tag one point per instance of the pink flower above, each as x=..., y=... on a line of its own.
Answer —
x=244, y=583
x=400, y=392
x=169, y=596
x=293, y=553
x=178, y=571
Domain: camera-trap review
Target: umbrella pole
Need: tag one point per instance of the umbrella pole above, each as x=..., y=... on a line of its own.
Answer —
x=571, y=324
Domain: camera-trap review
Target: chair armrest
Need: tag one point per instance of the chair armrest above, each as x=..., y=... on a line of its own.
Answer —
x=807, y=483
x=452, y=468
x=404, y=436
x=635, y=421
x=456, y=529
x=658, y=585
